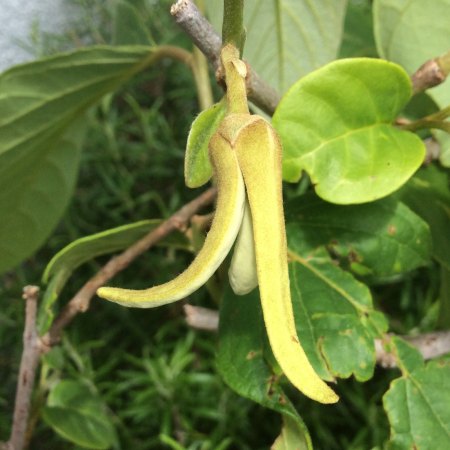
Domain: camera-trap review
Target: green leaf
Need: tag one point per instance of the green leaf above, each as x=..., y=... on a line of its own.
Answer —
x=336, y=322
x=287, y=39
x=409, y=32
x=241, y=362
x=197, y=168
x=418, y=403
x=291, y=437
x=129, y=27
x=78, y=415
x=335, y=124
x=67, y=260
x=34, y=191
x=407, y=356
x=358, y=36
x=39, y=103
x=54, y=359
x=380, y=239
x=428, y=195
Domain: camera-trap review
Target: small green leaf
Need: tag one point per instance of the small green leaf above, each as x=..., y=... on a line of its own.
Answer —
x=291, y=437
x=39, y=103
x=288, y=38
x=197, y=168
x=67, y=260
x=336, y=322
x=335, y=124
x=241, y=360
x=380, y=239
x=54, y=359
x=409, y=32
x=78, y=415
x=418, y=408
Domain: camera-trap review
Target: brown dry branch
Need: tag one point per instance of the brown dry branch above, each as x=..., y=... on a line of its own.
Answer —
x=201, y=318
x=430, y=345
x=203, y=35
x=27, y=371
x=432, y=150
x=80, y=302
x=431, y=73
x=195, y=25
x=35, y=346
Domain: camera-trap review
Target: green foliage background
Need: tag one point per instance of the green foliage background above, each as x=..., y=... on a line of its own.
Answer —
x=148, y=380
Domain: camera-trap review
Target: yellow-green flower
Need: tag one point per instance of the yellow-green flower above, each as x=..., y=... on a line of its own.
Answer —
x=245, y=154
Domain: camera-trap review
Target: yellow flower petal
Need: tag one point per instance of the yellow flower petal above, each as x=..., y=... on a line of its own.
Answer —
x=259, y=154
x=218, y=242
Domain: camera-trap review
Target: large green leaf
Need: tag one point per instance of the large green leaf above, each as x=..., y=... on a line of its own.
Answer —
x=418, y=403
x=358, y=31
x=34, y=191
x=335, y=123
x=241, y=361
x=379, y=239
x=428, y=195
x=39, y=102
x=79, y=415
x=287, y=39
x=335, y=319
x=409, y=32
x=66, y=261
x=336, y=322
x=129, y=26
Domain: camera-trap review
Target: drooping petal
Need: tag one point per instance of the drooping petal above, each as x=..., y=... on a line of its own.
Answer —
x=259, y=154
x=218, y=242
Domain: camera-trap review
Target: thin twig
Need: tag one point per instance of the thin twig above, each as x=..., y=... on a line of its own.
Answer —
x=203, y=35
x=190, y=19
x=430, y=345
x=27, y=371
x=432, y=150
x=80, y=302
x=34, y=347
x=431, y=73
x=201, y=318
